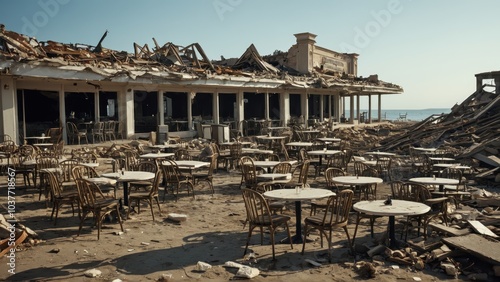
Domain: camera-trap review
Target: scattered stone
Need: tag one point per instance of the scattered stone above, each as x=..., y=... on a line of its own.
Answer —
x=93, y=273
x=417, y=279
x=117, y=280
x=55, y=251
x=203, y=266
x=130, y=250
x=145, y=243
x=247, y=272
x=232, y=264
x=450, y=269
x=367, y=270
x=165, y=278
x=395, y=266
x=419, y=264
x=376, y=250
x=119, y=233
x=177, y=217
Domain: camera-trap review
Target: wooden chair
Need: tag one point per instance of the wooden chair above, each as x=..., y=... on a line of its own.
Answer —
x=143, y=165
x=208, y=175
x=329, y=174
x=259, y=215
x=109, y=130
x=93, y=201
x=174, y=177
x=299, y=179
x=98, y=132
x=336, y=216
x=74, y=133
x=148, y=196
x=60, y=197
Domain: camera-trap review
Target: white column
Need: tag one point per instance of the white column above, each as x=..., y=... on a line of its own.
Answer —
x=215, y=105
x=9, y=106
x=62, y=113
x=190, y=98
x=284, y=108
x=358, y=110
x=241, y=107
x=128, y=106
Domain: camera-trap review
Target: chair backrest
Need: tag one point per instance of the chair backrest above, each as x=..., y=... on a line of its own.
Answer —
x=336, y=160
x=146, y=165
x=67, y=170
x=401, y=191
x=213, y=163
x=81, y=171
x=26, y=152
x=131, y=158
x=55, y=134
x=359, y=167
x=235, y=150
x=46, y=162
x=304, y=172
x=420, y=193
x=88, y=193
x=248, y=171
x=171, y=171
x=54, y=184
x=9, y=146
x=330, y=173
x=256, y=206
x=338, y=208
x=156, y=183
x=71, y=127
x=282, y=167
x=370, y=171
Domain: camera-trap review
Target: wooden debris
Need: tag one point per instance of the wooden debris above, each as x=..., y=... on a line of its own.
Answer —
x=449, y=230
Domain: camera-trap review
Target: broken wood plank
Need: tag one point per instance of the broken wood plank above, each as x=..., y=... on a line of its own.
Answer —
x=449, y=230
x=481, y=229
x=477, y=245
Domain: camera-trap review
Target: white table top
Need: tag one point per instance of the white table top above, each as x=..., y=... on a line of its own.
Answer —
x=357, y=180
x=300, y=144
x=43, y=144
x=130, y=176
x=89, y=164
x=309, y=131
x=156, y=155
x=304, y=194
x=189, y=164
x=323, y=152
x=278, y=127
x=37, y=137
x=275, y=176
x=166, y=146
x=243, y=143
x=398, y=207
x=435, y=181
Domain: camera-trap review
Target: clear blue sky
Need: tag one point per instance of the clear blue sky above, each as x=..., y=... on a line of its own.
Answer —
x=431, y=48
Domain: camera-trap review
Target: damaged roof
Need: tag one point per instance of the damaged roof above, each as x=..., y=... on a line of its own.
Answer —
x=26, y=56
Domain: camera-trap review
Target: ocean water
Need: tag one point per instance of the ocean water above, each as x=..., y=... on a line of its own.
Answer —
x=411, y=115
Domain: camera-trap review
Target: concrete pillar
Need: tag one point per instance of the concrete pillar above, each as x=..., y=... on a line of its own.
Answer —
x=215, y=105
x=240, y=106
x=284, y=108
x=305, y=50
x=129, y=113
x=321, y=104
x=9, y=106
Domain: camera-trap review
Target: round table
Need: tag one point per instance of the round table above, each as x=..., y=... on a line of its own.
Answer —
x=301, y=195
x=440, y=181
x=129, y=176
x=397, y=208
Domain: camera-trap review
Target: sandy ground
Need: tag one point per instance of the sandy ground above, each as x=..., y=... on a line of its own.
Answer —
x=213, y=233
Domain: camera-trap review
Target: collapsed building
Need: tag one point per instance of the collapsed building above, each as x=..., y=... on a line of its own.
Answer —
x=46, y=83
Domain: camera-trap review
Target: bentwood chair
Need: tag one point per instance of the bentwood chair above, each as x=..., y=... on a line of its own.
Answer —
x=175, y=178
x=93, y=201
x=60, y=197
x=259, y=215
x=336, y=215
x=148, y=196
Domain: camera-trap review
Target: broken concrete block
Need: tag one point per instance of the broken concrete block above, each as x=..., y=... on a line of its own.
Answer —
x=203, y=266
x=450, y=269
x=247, y=272
x=177, y=217
x=92, y=273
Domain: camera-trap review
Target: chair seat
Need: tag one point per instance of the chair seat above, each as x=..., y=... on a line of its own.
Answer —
x=140, y=195
x=317, y=220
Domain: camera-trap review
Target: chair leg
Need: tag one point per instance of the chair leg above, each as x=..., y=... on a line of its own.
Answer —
x=358, y=218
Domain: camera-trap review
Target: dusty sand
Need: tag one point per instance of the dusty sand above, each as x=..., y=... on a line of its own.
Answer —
x=213, y=233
